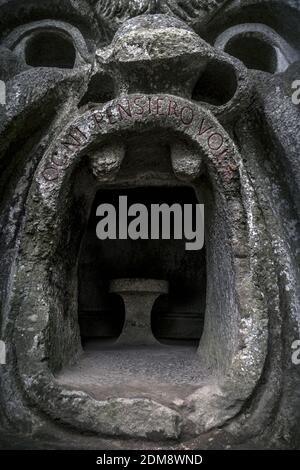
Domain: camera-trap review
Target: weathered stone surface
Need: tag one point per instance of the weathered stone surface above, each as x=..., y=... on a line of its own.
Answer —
x=107, y=162
x=134, y=418
x=208, y=407
x=139, y=418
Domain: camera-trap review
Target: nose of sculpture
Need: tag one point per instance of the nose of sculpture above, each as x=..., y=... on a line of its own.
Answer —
x=155, y=54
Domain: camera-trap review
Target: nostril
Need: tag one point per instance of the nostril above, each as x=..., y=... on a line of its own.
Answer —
x=217, y=85
x=254, y=52
x=100, y=90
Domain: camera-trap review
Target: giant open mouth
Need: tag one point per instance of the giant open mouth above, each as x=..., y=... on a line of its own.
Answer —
x=163, y=365
x=187, y=159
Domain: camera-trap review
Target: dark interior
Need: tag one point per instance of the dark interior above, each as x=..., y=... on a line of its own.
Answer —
x=49, y=49
x=254, y=52
x=217, y=85
x=177, y=316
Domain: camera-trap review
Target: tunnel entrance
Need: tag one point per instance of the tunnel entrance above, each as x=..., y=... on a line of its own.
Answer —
x=207, y=384
x=177, y=317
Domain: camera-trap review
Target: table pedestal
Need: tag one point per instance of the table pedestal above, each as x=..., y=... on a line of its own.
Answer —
x=139, y=296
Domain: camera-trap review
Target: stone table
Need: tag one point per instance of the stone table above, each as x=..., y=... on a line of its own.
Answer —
x=139, y=296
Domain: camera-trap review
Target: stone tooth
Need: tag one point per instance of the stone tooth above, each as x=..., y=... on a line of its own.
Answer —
x=105, y=163
x=186, y=162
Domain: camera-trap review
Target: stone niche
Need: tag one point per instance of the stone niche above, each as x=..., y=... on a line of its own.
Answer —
x=184, y=372
x=178, y=315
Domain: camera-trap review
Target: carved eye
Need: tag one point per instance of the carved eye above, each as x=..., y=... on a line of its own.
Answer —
x=258, y=47
x=254, y=52
x=50, y=49
x=48, y=44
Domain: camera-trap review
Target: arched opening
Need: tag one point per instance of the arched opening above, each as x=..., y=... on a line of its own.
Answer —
x=217, y=85
x=113, y=373
x=254, y=52
x=50, y=49
x=176, y=317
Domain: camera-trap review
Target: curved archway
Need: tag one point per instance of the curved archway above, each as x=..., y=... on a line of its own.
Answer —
x=232, y=297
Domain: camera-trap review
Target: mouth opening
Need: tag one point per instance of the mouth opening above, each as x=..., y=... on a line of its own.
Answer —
x=177, y=317
x=160, y=361
x=85, y=287
x=148, y=314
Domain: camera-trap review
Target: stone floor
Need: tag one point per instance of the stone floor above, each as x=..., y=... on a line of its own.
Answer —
x=165, y=372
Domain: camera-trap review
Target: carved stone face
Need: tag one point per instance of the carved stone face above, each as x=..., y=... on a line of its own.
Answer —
x=179, y=100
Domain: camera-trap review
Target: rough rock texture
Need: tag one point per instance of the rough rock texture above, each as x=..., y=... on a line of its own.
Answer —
x=208, y=86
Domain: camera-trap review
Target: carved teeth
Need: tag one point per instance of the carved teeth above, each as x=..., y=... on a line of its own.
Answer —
x=186, y=163
x=106, y=162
